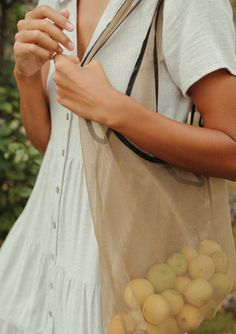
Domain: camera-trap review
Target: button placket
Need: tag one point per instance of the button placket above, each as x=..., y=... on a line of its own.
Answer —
x=58, y=186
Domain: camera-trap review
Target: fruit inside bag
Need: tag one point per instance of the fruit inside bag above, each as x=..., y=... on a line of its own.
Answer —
x=166, y=250
x=176, y=296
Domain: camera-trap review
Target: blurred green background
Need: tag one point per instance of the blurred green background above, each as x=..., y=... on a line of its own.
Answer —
x=20, y=162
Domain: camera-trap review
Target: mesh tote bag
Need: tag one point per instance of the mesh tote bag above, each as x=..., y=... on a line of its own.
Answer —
x=166, y=250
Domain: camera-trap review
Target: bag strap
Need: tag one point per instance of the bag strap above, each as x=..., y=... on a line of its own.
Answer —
x=159, y=30
x=157, y=23
x=123, y=12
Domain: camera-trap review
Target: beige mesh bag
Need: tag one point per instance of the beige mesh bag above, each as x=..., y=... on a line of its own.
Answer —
x=166, y=250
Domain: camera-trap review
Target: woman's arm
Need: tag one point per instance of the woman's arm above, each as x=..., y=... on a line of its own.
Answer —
x=34, y=108
x=35, y=42
x=210, y=150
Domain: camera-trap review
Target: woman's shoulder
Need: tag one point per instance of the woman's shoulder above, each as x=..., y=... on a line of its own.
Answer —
x=198, y=38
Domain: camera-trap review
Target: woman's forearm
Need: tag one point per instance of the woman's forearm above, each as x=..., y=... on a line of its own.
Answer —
x=200, y=150
x=34, y=110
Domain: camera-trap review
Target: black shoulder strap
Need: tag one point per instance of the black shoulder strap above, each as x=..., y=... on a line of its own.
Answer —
x=134, y=148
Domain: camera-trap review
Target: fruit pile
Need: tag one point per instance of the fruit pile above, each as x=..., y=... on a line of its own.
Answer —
x=176, y=296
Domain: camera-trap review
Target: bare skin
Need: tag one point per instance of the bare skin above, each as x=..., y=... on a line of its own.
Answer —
x=210, y=150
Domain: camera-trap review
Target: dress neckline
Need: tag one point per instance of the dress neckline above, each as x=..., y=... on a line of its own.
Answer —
x=108, y=14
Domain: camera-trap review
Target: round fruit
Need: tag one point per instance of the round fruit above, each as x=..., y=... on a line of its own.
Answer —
x=151, y=329
x=156, y=309
x=189, y=252
x=175, y=299
x=189, y=318
x=162, y=277
x=179, y=263
x=181, y=283
x=221, y=261
x=208, y=310
x=116, y=325
x=201, y=266
x=221, y=285
x=198, y=292
x=209, y=246
x=169, y=326
x=137, y=291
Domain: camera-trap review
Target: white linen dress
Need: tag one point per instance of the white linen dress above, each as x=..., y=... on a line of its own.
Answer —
x=49, y=281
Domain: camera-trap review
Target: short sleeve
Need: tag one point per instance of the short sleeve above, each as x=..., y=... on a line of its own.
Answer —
x=198, y=38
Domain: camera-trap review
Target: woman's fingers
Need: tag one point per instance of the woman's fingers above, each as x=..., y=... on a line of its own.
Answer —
x=74, y=59
x=65, y=12
x=39, y=38
x=28, y=49
x=44, y=11
x=51, y=29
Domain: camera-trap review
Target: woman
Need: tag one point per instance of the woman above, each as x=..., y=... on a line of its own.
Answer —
x=49, y=261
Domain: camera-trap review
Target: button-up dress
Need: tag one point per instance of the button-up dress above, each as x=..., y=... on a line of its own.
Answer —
x=49, y=282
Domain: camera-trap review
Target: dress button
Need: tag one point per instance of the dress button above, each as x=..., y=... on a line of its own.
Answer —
x=51, y=285
x=52, y=256
x=67, y=116
x=57, y=189
x=54, y=225
x=63, y=152
x=50, y=313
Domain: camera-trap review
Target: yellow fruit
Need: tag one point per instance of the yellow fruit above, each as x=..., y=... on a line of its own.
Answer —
x=169, y=326
x=209, y=246
x=189, y=252
x=137, y=291
x=120, y=324
x=156, y=309
x=179, y=263
x=181, y=283
x=116, y=325
x=189, y=318
x=221, y=285
x=162, y=277
x=201, y=266
x=198, y=292
x=221, y=261
x=175, y=299
x=208, y=310
x=152, y=329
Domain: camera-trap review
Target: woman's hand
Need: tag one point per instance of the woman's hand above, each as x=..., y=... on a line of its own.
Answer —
x=38, y=37
x=86, y=90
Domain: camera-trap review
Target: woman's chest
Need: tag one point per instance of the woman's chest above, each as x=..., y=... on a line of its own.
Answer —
x=120, y=52
x=89, y=13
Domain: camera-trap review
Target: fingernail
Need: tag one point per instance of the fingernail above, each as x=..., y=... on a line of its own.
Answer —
x=69, y=26
x=71, y=46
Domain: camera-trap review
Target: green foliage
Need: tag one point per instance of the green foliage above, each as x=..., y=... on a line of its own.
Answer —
x=19, y=161
x=223, y=323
